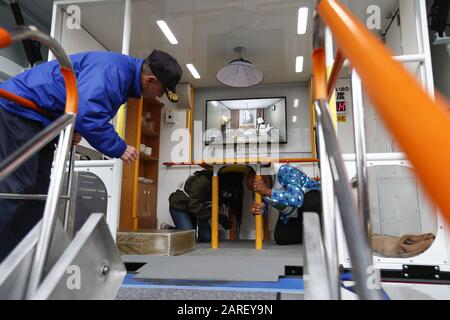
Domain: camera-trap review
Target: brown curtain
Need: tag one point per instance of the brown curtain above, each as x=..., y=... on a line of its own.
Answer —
x=235, y=119
x=259, y=113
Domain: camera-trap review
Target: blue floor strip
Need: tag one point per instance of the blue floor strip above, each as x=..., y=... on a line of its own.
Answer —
x=284, y=284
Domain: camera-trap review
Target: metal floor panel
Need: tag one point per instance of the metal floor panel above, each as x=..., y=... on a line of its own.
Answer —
x=234, y=261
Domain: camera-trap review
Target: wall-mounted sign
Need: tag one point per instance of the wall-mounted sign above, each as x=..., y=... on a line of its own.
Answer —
x=341, y=118
x=341, y=97
x=341, y=106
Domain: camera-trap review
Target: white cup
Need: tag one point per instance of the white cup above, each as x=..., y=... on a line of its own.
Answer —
x=148, y=151
x=142, y=148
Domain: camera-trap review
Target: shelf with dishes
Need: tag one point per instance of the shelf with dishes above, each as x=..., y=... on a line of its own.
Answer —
x=145, y=153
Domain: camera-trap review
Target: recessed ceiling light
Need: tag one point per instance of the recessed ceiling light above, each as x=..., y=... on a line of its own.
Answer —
x=296, y=103
x=302, y=22
x=299, y=64
x=167, y=32
x=193, y=71
x=294, y=118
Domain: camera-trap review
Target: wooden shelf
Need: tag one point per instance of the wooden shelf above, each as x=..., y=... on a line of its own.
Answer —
x=147, y=158
x=149, y=133
x=155, y=102
x=138, y=203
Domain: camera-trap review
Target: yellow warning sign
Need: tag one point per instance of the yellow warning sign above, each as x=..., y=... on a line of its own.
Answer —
x=341, y=118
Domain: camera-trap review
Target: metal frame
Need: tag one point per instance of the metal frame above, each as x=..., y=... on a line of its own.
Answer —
x=356, y=238
x=94, y=254
x=316, y=275
x=36, y=255
x=63, y=127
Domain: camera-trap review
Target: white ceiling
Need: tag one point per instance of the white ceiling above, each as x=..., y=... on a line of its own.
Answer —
x=208, y=30
x=249, y=104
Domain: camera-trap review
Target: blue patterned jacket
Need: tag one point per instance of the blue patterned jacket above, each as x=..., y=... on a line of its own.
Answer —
x=295, y=184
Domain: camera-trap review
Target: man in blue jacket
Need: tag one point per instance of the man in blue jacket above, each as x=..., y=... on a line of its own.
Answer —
x=105, y=81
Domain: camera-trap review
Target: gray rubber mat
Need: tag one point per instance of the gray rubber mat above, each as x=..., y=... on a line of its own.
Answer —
x=234, y=261
x=183, y=294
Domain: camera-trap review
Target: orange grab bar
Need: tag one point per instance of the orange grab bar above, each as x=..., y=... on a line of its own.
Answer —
x=24, y=102
x=420, y=125
x=6, y=39
x=319, y=73
x=198, y=163
x=337, y=66
x=71, y=91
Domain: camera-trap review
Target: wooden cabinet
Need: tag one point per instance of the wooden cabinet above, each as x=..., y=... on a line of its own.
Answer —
x=140, y=180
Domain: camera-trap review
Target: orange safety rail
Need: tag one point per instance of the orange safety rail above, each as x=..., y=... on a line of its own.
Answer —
x=72, y=92
x=69, y=80
x=5, y=38
x=24, y=102
x=337, y=66
x=240, y=161
x=420, y=125
x=319, y=73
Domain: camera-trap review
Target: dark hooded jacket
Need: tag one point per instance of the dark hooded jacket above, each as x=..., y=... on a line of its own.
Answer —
x=196, y=196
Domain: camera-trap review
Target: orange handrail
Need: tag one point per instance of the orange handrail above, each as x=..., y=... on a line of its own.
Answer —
x=24, y=102
x=399, y=99
x=7, y=38
x=319, y=72
x=241, y=161
x=337, y=66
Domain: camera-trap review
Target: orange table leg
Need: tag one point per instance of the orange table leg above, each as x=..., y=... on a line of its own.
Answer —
x=215, y=213
x=258, y=220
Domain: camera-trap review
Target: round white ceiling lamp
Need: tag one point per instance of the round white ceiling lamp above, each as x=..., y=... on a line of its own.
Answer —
x=239, y=72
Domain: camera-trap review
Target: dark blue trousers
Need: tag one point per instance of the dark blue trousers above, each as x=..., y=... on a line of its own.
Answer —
x=184, y=221
x=17, y=217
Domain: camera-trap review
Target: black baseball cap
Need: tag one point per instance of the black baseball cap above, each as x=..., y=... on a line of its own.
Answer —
x=167, y=70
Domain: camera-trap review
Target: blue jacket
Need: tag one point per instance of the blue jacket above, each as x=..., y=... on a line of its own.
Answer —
x=105, y=81
x=295, y=184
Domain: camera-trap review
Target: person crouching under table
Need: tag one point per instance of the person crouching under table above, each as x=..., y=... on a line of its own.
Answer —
x=291, y=192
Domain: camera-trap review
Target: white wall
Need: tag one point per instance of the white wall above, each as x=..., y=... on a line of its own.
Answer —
x=78, y=40
x=298, y=133
x=277, y=118
x=170, y=178
x=214, y=115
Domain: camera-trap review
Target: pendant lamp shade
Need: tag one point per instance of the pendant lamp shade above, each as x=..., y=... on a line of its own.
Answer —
x=240, y=73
